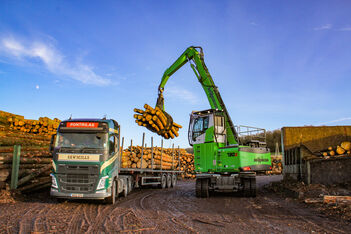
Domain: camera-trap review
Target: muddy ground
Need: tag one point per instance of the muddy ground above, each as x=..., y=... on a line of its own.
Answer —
x=169, y=211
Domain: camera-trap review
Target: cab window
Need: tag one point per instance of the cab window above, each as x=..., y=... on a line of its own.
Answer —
x=111, y=142
x=200, y=126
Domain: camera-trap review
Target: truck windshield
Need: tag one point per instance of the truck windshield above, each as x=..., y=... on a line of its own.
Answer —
x=81, y=140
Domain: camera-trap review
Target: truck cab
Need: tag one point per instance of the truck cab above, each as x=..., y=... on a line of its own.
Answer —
x=86, y=160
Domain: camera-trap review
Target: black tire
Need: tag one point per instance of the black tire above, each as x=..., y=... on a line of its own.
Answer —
x=174, y=180
x=112, y=199
x=163, y=181
x=198, y=188
x=130, y=185
x=125, y=190
x=246, y=187
x=169, y=180
x=204, y=188
x=253, y=187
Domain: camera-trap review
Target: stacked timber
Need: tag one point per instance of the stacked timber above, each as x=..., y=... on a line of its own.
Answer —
x=187, y=164
x=34, y=168
x=42, y=126
x=344, y=149
x=276, y=165
x=158, y=121
x=150, y=158
x=136, y=157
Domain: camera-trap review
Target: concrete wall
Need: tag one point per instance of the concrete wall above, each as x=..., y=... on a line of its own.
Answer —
x=331, y=171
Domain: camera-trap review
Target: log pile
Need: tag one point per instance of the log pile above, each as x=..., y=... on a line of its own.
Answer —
x=158, y=121
x=344, y=149
x=34, y=170
x=276, y=165
x=42, y=126
x=131, y=158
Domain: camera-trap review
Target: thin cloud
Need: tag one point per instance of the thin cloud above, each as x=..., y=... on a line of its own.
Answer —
x=253, y=24
x=345, y=29
x=336, y=121
x=53, y=60
x=323, y=27
x=181, y=93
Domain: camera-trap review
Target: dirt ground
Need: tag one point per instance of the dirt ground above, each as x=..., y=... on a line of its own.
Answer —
x=169, y=211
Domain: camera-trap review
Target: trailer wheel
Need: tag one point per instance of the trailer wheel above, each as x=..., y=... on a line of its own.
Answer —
x=198, y=188
x=174, y=180
x=112, y=199
x=125, y=189
x=204, y=188
x=163, y=181
x=169, y=180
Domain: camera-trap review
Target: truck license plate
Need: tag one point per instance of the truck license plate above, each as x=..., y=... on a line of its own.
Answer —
x=76, y=195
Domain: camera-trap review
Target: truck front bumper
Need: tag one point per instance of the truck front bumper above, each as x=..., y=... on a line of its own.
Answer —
x=102, y=194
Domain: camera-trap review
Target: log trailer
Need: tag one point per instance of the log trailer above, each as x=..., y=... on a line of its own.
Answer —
x=87, y=163
x=222, y=162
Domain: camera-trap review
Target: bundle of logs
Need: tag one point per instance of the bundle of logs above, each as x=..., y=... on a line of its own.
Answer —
x=276, y=165
x=187, y=164
x=151, y=158
x=43, y=126
x=156, y=120
x=343, y=149
x=34, y=169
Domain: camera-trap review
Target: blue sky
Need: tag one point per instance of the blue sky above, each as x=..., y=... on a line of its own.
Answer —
x=276, y=63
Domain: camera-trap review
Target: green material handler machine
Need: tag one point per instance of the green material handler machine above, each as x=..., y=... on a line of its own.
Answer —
x=224, y=160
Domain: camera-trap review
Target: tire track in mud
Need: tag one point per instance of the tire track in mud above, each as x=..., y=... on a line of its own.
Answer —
x=24, y=223
x=168, y=210
x=75, y=223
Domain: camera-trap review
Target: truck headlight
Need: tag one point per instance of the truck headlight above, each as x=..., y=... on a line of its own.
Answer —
x=53, y=181
x=102, y=183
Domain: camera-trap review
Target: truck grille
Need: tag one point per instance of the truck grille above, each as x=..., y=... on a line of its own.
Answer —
x=77, y=182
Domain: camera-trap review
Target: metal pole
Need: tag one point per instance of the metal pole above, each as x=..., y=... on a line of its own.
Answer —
x=161, y=151
x=142, y=151
x=152, y=153
x=121, y=153
x=172, y=156
x=15, y=166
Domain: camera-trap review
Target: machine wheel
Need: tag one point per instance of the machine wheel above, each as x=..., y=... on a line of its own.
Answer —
x=174, y=180
x=204, y=188
x=246, y=187
x=253, y=187
x=169, y=180
x=198, y=187
x=163, y=181
x=112, y=199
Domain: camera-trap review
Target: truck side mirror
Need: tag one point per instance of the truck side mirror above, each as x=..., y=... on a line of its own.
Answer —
x=51, y=147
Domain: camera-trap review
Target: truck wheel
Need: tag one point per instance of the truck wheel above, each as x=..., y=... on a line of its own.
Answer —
x=112, y=199
x=163, y=181
x=174, y=180
x=204, y=188
x=169, y=180
x=253, y=187
x=198, y=188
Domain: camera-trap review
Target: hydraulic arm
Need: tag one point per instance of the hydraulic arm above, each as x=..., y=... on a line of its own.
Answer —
x=196, y=59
